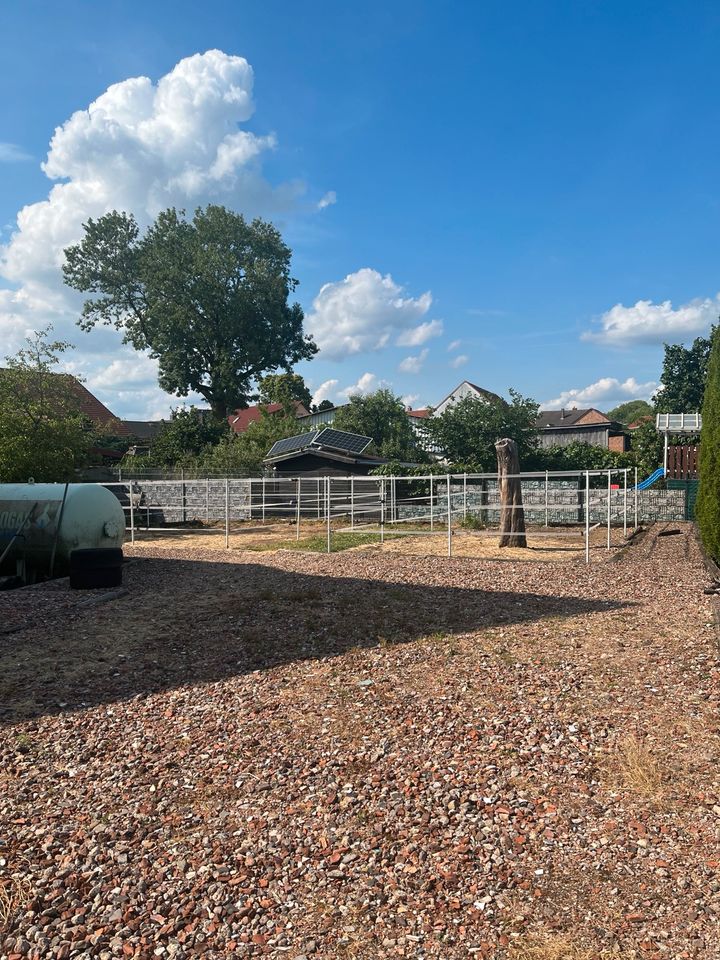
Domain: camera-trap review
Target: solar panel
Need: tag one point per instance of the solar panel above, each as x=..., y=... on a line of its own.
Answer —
x=289, y=444
x=341, y=440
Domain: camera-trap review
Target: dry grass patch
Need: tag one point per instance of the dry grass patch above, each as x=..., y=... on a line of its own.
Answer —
x=14, y=894
x=561, y=947
x=633, y=766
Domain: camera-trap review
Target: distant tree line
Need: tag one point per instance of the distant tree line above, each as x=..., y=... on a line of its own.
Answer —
x=210, y=297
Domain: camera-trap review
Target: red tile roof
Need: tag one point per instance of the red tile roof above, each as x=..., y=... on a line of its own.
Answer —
x=90, y=406
x=419, y=413
x=93, y=409
x=241, y=419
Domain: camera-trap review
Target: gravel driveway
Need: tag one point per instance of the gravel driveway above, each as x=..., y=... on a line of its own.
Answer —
x=364, y=755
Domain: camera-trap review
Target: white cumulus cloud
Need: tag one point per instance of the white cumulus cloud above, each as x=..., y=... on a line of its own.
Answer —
x=416, y=336
x=413, y=364
x=141, y=146
x=459, y=361
x=367, y=383
x=361, y=313
x=608, y=391
x=324, y=391
x=648, y=322
x=454, y=345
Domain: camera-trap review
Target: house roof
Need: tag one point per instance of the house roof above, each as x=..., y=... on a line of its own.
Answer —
x=241, y=419
x=420, y=414
x=481, y=391
x=567, y=418
x=89, y=405
x=323, y=454
x=93, y=408
x=143, y=429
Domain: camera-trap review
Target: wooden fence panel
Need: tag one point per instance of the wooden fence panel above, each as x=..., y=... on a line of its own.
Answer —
x=683, y=461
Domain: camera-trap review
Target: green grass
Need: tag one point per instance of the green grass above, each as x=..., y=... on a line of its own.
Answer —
x=318, y=544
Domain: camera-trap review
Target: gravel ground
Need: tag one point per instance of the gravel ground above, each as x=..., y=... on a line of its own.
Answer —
x=364, y=756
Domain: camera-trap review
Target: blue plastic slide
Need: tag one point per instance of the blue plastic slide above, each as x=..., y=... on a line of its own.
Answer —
x=653, y=478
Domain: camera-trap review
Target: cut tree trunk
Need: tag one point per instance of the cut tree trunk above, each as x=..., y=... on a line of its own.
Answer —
x=512, y=514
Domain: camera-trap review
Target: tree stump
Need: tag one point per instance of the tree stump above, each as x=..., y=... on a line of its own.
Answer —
x=512, y=514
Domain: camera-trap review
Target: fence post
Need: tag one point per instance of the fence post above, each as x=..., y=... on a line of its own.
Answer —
x=132, y=515
x=432, y=518
x=449, y=517
x=263, y=499
x=382, y=510
x=319, y=512
x=352, y=503
x=297, y=511
x=207, y=499
x=182, y=492
x=636, y=498
x=587, y=516
x=608, y=508
x=327, y=513
x=227, y=514
x=625, y=473
x=546, y=499
x=464, y=496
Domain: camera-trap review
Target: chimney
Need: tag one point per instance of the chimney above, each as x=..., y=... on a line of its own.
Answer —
x=562, y=413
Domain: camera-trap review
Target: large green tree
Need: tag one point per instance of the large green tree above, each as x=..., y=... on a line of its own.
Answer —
x=631, y=412
x=285, y=388
x=683, y=376
x=708, y=500
x=43, y=433
x=382, y=416
x=467, y=431
x=207, y=297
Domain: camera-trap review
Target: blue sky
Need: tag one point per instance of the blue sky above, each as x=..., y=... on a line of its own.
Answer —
x=521, y=194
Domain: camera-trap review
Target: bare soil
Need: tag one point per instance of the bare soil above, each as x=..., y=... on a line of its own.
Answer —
x=553, y=544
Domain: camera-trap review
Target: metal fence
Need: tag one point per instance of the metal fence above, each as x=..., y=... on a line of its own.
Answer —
x=554, y=504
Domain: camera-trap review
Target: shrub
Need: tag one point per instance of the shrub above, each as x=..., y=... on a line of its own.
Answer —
x=708, y=501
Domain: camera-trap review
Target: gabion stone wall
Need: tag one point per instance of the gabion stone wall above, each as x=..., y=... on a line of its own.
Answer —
x=186, y=501
x=565, y=504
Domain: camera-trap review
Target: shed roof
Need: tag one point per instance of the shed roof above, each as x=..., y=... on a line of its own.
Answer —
x=567, y=418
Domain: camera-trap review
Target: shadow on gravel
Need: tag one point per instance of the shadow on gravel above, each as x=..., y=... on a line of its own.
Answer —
x=186, y=622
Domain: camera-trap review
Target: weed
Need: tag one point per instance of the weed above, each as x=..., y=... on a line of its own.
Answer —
x=636, y=768
x=473, y=521
x=559, y=947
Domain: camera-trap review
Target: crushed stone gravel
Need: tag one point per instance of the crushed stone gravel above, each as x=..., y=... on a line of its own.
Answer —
x=363, y=755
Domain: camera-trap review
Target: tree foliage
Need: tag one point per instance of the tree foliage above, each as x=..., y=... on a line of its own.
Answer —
x=382, y=416
x=647, y=448
x=208, y=298
x=285, y=388
x=707, y=508
x=578, y=456
x=630, y=412
x=244, y=453
x=467, y=431
x=683, y=377
x=188, y=434
x=43, y=433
